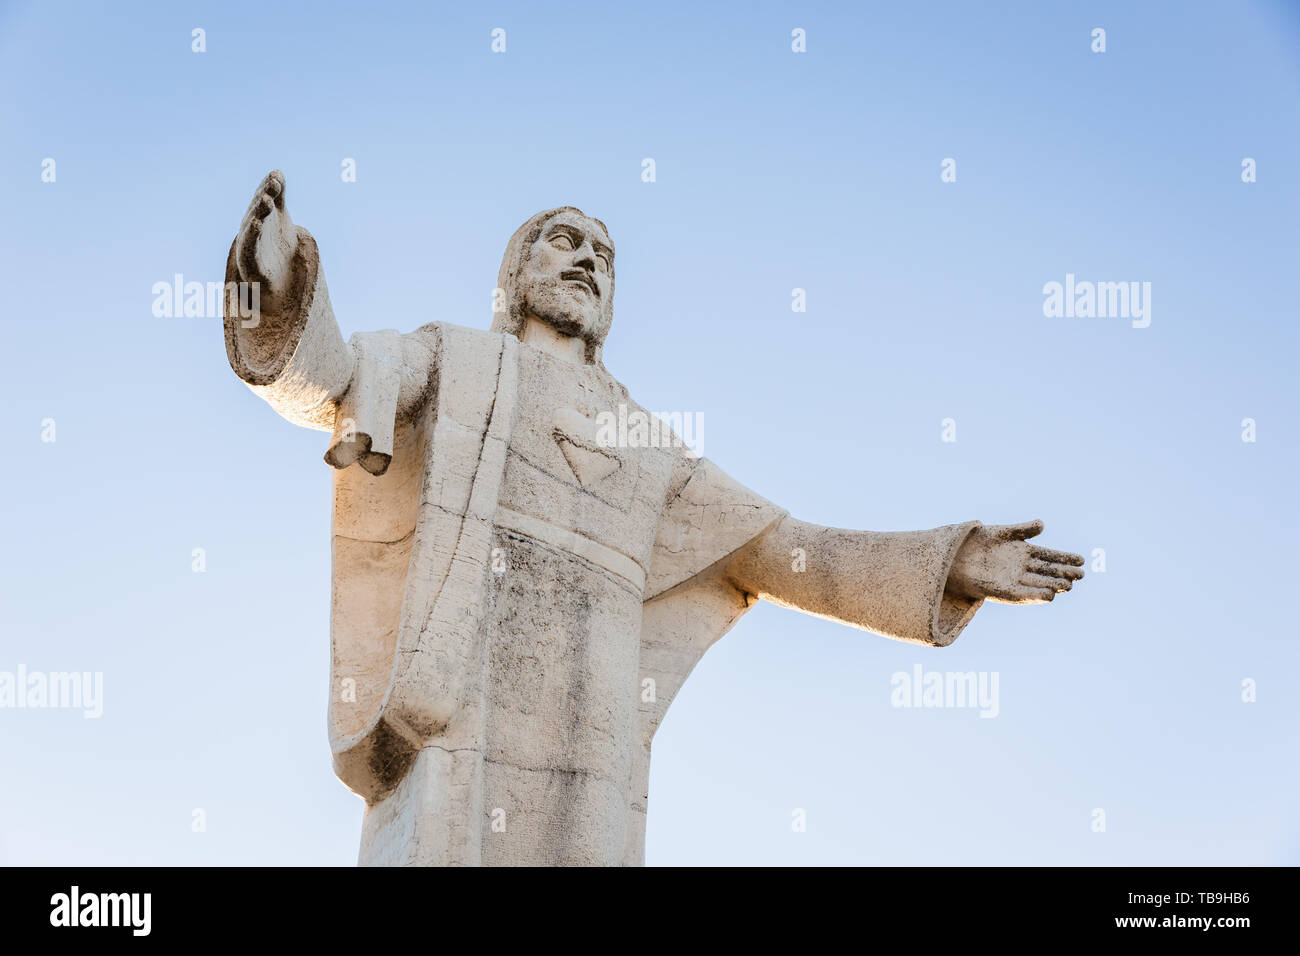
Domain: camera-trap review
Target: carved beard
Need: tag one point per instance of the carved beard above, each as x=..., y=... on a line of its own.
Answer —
x=564, y=308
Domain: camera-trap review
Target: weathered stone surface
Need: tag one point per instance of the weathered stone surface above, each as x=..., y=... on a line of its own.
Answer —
x=515, y=602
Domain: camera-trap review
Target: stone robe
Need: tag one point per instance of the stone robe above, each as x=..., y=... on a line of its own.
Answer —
x=515, y=605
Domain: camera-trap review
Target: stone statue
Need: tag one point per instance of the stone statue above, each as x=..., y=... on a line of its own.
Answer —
x=515, y=602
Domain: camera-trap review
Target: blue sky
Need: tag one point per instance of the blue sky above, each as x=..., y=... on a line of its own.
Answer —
x=774, y=171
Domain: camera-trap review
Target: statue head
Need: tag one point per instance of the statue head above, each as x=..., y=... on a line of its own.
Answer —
x=559, y=269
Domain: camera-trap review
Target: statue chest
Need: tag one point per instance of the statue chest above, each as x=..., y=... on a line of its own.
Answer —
x=574, y=479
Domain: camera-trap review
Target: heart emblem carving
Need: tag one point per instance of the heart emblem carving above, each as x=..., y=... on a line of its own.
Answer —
x=589, y=461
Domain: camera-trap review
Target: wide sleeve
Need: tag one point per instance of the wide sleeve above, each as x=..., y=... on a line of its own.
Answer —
x=295, y=359
x=892, y=583
x=298, y=362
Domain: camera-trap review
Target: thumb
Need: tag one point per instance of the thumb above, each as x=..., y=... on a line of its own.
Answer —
x=1017, y=532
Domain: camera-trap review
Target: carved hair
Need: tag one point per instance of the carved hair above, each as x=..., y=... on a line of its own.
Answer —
x=512, y=263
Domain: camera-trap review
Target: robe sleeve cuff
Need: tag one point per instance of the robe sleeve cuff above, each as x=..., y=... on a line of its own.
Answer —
x=367, y=414
x=951, y=614
x=296, y=359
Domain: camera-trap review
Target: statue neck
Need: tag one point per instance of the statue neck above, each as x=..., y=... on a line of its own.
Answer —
x=542, y=336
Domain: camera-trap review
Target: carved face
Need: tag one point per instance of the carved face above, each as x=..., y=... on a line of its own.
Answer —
x=567, y=278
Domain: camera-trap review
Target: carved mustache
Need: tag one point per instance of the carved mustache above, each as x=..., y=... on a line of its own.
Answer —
x=581, y=275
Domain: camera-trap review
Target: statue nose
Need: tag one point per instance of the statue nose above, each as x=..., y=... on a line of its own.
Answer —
x=585, y=257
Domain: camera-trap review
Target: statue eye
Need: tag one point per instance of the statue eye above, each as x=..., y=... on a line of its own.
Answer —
x=604, y=262
x=562, y=241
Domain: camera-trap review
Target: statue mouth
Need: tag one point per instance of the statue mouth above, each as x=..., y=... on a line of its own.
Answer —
x=577, y=275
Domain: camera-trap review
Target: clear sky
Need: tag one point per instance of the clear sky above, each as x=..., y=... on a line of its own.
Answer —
x=775, y=170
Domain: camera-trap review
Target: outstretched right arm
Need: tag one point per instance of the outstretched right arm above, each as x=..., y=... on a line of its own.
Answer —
x=282, y=339
x=281, y=335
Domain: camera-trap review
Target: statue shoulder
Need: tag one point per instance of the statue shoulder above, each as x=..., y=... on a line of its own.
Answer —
x=435, y=335
x=708, y=516
x=435, y=329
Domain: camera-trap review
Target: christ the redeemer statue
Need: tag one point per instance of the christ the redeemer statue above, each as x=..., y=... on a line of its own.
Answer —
x=516, y=601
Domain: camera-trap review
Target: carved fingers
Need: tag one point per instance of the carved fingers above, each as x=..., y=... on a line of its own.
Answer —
x=1063, y=558
x=1055, y=570
x=998, y=562
x=266, y=236
x=1024, y=593
x=1047, y=572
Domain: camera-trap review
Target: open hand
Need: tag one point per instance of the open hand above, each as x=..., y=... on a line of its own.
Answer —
x=998, y=563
